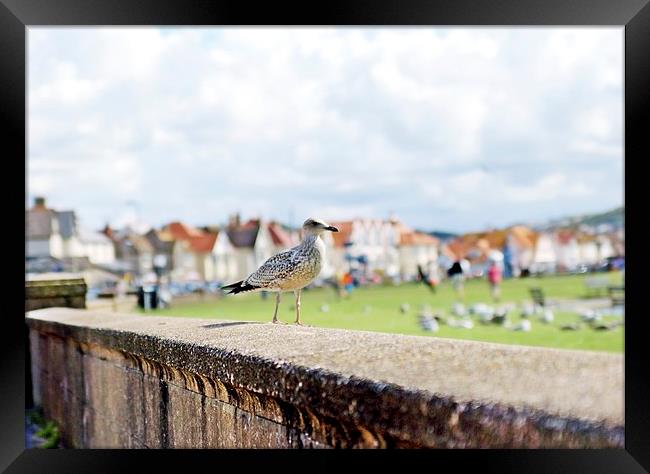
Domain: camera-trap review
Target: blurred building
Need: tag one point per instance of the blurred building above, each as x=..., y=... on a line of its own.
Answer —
x=417, y=249
x=57, y=234
x=517, y=243
x=133, y=252
x=381, y=247
x=251, y=243
x=578, y=247
x=367, y=244
x=224, y=253
x=186, y=249
x=163, y=246
x=551, y=250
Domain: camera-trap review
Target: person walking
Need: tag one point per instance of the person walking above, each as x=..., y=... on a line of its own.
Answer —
x=457, y=275
x=494, y=278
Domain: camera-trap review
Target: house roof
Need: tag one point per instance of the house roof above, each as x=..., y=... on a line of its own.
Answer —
x=161, y=241
x=564, y=236
x=524, y=236
x=279, y=236
x=417, y=238
x=407, y=236
x=165, y=235
x=454, y=249
x=493, y=238
x=140, y=243
x=88, y=236
x=202, y=243
x=251, y=223
x=344, y=233
x=39, y=222
x=67, y=223
x=482, y=242
x=180, y=231
x=584, y=238
x=244, y=235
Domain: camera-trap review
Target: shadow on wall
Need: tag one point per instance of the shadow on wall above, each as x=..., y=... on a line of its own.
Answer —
x=234, y=323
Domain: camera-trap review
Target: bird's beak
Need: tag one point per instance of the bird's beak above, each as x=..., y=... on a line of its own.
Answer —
x=332, y=228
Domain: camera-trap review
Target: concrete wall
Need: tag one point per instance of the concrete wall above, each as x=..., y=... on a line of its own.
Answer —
x=123, y=380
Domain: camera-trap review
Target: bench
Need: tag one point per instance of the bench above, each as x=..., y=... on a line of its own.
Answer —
x=596, y=285
x=617, y=295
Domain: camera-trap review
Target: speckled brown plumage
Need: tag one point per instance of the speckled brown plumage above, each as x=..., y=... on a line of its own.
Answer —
x=289, y=270
x=292, y=269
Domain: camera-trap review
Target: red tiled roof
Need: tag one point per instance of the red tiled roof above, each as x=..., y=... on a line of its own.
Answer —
x=454, y=249
x=482, y=242
x=279, y=236
x=417, y=238
x=180, y=231
x=203, y=243
x=250, y=224
x=524, y=236
x=564, y=236
x=343, y=235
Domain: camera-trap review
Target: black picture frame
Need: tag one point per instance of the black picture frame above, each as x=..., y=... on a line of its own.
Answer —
x=633, y=15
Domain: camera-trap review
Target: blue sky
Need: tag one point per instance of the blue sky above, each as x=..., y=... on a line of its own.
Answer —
x=453, y=129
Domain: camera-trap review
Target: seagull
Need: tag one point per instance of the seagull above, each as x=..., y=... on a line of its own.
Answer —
x=500, y=316
x=547, y=317
x=525, y=326
x=458, y=309
x=527, y=311
x=430, y=325
x=589, y=315
x=571, y=327
x=289, y=270
x=424, y=278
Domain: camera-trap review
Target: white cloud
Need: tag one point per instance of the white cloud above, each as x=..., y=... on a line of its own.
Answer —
x=446, y=127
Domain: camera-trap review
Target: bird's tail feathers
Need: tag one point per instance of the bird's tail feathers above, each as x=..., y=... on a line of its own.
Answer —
x=239, y=287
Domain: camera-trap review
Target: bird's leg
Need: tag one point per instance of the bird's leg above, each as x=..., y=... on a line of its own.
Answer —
x=297, y=292
x=275, y=313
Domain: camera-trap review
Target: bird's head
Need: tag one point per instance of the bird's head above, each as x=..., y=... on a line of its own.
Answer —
x=317, y=227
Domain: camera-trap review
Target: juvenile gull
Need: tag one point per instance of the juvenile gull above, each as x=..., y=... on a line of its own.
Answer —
x=289, y=270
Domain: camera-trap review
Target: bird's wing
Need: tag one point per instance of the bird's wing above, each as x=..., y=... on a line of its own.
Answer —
x=276, y=268
x=424, y=277
x=421, y=272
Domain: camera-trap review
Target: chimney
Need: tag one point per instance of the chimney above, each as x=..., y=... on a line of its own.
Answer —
x=107, y=231
x=39, y=203
x=234, y=220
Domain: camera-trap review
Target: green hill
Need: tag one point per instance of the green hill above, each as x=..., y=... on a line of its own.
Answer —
x=614, y=218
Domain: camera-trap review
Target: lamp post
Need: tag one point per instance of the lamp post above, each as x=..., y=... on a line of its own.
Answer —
x=159, y=265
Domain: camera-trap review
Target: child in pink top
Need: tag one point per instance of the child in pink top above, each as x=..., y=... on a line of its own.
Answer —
x=494, y=277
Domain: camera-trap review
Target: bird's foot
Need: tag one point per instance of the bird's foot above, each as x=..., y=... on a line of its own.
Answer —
x=277, y=321
x=298, y=323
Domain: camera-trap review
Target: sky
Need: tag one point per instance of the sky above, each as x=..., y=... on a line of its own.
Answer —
x=452, y=129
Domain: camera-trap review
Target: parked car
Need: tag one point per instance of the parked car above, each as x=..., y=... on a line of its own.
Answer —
x=617, y=262
x=214, y=286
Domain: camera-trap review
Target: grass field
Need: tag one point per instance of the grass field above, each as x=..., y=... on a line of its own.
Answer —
x=377, y=309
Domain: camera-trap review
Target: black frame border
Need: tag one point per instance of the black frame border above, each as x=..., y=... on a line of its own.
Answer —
x=634, y=15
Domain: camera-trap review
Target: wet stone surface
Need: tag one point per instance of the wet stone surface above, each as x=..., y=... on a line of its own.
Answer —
x=263, y=385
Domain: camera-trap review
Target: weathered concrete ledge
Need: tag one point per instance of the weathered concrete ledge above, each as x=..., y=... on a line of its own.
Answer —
x=115, y=380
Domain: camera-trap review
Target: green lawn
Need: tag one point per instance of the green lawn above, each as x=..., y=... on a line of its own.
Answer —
x=377, y=309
